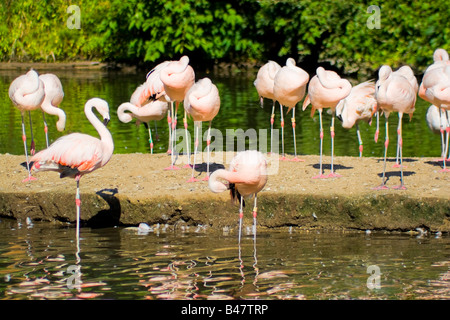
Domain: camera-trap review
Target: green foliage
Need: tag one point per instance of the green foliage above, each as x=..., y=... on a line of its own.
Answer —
x=331, y=31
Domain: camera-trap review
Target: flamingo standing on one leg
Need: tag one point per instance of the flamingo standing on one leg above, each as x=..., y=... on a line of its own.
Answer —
x=264, y=85
x=325, y=90
x=153, y=110
x=246, y=176
x=54, y=95
x=435, y=88
x=77, y=154
x=434, y=117
x=178, y=77
x=288, y=89
x=359, y=105
x=202, y=103
x=394, y=93
x=27, y=93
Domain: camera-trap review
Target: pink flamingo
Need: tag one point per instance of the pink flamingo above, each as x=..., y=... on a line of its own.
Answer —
x=434, y=118
x=178, y=77
x=288, y=89
x=435, y=88
x=77, y=154
x=27, y=93
x=153, y=110
x=359, y=105
x=264, y=85
x=246, y=176
x=394, y=92
x=202, y=103
x=325, y=90
x=54, y=95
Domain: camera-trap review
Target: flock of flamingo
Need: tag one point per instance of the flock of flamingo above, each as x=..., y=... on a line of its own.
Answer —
x=173, y=82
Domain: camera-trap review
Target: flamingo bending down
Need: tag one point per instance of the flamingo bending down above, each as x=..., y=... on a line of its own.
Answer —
x=435, y=88
x=264, y=85
x=325, y=90
x=202, y=103
x=246, y=176
x=288, y=89
x=395, y=92
x=27, y=93
x=153, y=110
x=359, y=105
x=54, y=95
x=434, y=118
x=77, y=154
x=178, y=77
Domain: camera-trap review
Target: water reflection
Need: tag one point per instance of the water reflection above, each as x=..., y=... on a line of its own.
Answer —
x=240, y=108
x=168, y=263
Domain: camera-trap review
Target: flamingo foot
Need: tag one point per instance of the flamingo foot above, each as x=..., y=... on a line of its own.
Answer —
x=320, y=176
x=205, y=178
x=187, y=166
x=192, y=180
x=169, y=152
x=382, y=187
x=283, y=158
x=397, y=165
x=172, y=167
x=295, y=159
x=334, y=175
x=400, y=187
x=30, y=178
x=445, y=170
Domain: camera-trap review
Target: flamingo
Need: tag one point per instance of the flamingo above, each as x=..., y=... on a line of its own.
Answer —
x=27, y=93
x=288, y=89
x=435, y=88
x=325, y=90
x=359, y=105
x=202, y=103
x=54, y=95
x=264, y=85
x=433, y=118
x=77, y=154
x=246, y=176
x=153, y=110
x=395, y=92
x=178, y=77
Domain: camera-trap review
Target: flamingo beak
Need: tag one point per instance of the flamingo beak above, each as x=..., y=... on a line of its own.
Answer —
x=106, y=121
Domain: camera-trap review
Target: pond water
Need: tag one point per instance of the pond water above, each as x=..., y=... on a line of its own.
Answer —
x=40, y=261
x=240, y=109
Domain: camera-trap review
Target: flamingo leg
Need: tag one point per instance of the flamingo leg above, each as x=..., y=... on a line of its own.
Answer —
x=255, y=213
x=241, y=215
x=293, y=131
x=377, y=131
x=332, y=173
x=386, y=143
x=272, y=120
x=358, y=133
x=173, y=137
x=169, y=123
x=150, y=140
x=32, y=145
x=156, y=131
x=282, y=133
x=45, y=128
x=400, y=148
x=188, y=141
x=320, y=175
x=208, y=142
x=445, y=130
x=24, y=138
x=196, y=127
x=78, y=205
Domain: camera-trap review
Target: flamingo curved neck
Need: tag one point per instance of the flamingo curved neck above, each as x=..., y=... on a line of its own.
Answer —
x=122, y=115
x=105, y=135
x=47, y=107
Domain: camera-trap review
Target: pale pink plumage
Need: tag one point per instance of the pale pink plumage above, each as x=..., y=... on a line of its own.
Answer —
x=247, y=175
x=289, y=88
x=325, y=90
x=202, y=103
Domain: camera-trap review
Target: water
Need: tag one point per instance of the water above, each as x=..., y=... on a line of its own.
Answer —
x=240, y=109
x=117, y=263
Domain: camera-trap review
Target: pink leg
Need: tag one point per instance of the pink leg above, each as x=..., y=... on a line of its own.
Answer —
x=386, y=144
x=332, y=173
x=295, y=143
x=320, y=175
x=196, y=125
x=283, y=157
x=24, y=139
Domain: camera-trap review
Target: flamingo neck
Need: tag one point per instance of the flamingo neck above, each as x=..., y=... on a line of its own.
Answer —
x=47, y=107
x=105, y=135
x=124, y=116
x=217, y=185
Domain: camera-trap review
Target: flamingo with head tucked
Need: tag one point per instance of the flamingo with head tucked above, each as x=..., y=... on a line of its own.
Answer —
x=27, y=93
x=264, y=84
x=77, y=154
x=288, y=89
x=359, y=105
x=153, y=110
x=202, y=103
x=246, y=176
x=395, y=92
x=325, y=90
